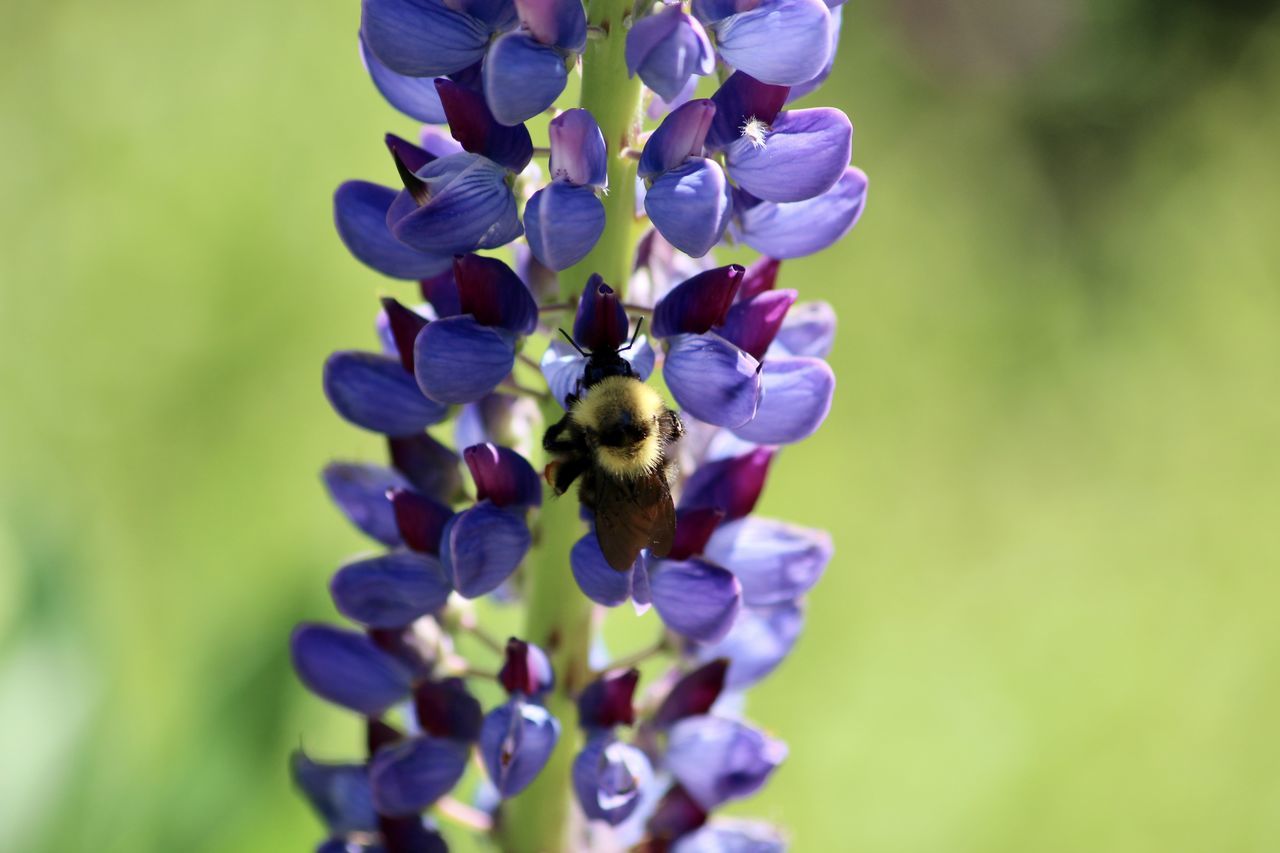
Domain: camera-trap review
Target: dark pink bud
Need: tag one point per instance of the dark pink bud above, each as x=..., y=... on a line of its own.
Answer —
x=697, y=304
x=420, y=519
x=754, y=323
x=601, y=324
x=405, y=325
x=502, y=476
x=733, y=485
x=762, y=275
x=677, y=814
x=527, y=669
x=694, y=694
x=446, y=709
x=607, y=701
x=693, y=528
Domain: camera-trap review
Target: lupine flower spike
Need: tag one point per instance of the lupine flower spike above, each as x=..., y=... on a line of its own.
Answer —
x=532, y=464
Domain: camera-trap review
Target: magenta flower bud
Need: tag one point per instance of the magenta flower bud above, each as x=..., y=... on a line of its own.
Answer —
x=692, y=695
x=404, y=326
x=419, y=519
x=503, y=477
x=762, y=275
x=446, y=709
x=607, y=701
x=473, y=124
x=752, y=324
x=494, y=295
x=733, y=485
x=526, y=669
x=578, y=151
x=601, y=323
x=697, y=304
x=431, y=467
x=676, y=815
x=743, y=102
x=693, y=530
x=360, y=493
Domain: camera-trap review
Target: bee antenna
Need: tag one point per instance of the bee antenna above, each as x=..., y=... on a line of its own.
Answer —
x=574, y=344
x=639, y=324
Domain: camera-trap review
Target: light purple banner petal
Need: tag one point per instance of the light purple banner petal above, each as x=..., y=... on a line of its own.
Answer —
x=712, y=379
x=795, y=398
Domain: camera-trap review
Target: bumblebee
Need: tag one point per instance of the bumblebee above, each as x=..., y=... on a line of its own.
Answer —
x=617, y=439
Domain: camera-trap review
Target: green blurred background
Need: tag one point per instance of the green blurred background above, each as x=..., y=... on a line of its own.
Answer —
x=1051, y=468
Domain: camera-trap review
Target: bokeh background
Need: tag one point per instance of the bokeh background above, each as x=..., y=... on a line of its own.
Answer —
x=1051, y=468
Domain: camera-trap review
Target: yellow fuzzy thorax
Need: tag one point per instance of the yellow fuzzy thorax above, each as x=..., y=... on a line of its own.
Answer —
x=604, y=404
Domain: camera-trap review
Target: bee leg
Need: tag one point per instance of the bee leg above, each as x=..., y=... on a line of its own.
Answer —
x=560, y=437
x=671, y=426
x=566, y=472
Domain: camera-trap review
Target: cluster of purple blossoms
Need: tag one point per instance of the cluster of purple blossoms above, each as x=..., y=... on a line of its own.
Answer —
x=452, y=387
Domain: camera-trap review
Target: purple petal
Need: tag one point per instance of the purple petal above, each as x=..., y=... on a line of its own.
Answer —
x=796, y=229
x=559, y=23
x=667, y=49
x=474, y=126
x=503, y=477
x=680, y=136
x=470, y=207
x=562, y=366
x=391, y=590
x=691, y=205
x=360, y=214
x=607, y=701
x=410, y=776
x=422, y=38
x=414, y=96
x=360, y=491
x=482, y=546
x=740, y=100
x=752, y=324
x=596, y=578
x=733, y=485
x=457, y=360
x=339, y=793
x=494, y=295
x=717, y=760
x=515, y=742
x=794, y=401
x=526, y=669
x=346, y=668
x=697, y=304
x=775, y=562
x=522, y=77
x=759, y=641
x=374, y=392
x=809, y=86
x=578, y=151
x=601, y=323
x=420, y=520
x=696, y=599
x=609, y=778
x=810, y=330
x=441, y=291
x=712, y=379
x=446, y=709
x=431, y=467
x=437, y=142
x=801, y=156
x=500, y=15
x=732, y=836
x=784, y=42
x=658, y=106
x=693, y=695
x=562, y=223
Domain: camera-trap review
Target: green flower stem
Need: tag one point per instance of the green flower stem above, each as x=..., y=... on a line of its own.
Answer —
x=614, y=100
x=558, y=615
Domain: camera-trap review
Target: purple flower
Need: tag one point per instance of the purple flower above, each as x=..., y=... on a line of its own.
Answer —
x=688, y=197
x=717, y=759
x=785, y=42
x=667, y=49
x=516, y=740
x=796, y=229
x=732, y=836
x=411, y=775
x=609, y=777
x=348, y=669
x=390, y=590
x=564, y=219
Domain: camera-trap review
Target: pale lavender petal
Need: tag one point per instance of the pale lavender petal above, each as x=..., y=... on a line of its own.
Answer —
x=801, y=155
x=712, y=379
x=795, y=398
x=784, y=42
x=799, y=228
x=562, y=223
x=690, y=205
x=522, y=77
x=609, y=778
x=578, y=151
x=809, y=330
x=560, y=23
x=717, y=760
x=696, y=599
x=732, y=836
x=758, y=642
x=667, y=49
x=515, y=742
x=680, y=136
x=774, y=561
x=596, y=578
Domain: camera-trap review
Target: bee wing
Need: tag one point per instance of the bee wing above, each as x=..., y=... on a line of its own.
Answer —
x=634, y=514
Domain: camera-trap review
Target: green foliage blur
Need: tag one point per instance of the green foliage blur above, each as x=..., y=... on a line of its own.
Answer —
x=1051, y=469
